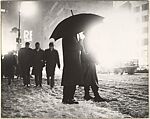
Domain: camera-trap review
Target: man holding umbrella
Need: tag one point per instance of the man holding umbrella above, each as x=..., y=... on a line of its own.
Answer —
x=72, y=68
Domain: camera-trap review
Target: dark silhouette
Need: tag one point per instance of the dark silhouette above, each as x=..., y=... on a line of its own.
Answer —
x=51, y=59
x=38, y=64
x=89, y=78
x=10, y=64
x=25, y=59
x=75, y=24
x=72, y=68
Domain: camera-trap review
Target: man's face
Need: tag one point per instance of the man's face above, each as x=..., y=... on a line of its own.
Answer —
x=27, y=46
x=51, y=47
x=37, y=46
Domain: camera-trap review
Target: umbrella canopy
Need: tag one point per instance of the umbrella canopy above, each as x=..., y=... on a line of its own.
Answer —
x=75, y=24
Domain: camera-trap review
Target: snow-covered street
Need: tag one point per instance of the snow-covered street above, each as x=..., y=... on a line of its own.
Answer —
x=131, y=92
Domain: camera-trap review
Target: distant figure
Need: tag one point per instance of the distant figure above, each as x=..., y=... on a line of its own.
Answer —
x=89, y=75
x=51, y=59
x=25, y=57
x=38, y=64
x=10, y=64
x=72, y=68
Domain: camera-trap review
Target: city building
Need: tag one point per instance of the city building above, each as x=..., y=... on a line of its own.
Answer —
x=140, y=11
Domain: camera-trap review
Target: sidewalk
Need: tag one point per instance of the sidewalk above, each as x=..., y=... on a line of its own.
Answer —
x=19, y=101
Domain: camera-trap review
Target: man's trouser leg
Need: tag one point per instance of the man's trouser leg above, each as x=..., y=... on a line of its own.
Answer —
x=72, y=92
x=52, y=81
x=47, y=74
x=9, y=80
x=27, y=75
x=47, y=79
x=97, y=97
x=86, y=91
x=24, y=79
x=65, y=94
x=68, y=95
x=23, y=73
x=10, y=76
x=95, y=91
x=40, y=78
x=36, y=80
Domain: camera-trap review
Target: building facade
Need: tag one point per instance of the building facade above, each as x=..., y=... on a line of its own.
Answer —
x=140, y=11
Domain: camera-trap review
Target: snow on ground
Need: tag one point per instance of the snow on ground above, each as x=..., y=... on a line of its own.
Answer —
x=130, y=90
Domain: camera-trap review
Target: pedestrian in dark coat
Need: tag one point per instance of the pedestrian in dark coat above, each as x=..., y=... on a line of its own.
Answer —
x=51, y=59
x=89, y=70
x=10, y=64
x=25, y=59
x=89, y=78
x=72, y=68
x=38, y=64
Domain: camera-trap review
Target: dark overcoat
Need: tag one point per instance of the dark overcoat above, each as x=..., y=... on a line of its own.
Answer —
x=10, y=63
x=38, y=61
x=25, y=59
x=72, y=63
x=89, y=70
x=51, y=59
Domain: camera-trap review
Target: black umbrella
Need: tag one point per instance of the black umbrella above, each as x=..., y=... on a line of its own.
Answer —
x=75, y=24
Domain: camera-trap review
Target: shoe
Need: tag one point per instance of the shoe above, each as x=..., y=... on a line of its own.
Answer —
x=88, y=98
x=65, y=101
x=40, y=85
x=28, y=85
x=52, y=89
x=72, y=101
x=36, y=85
x=69, y=102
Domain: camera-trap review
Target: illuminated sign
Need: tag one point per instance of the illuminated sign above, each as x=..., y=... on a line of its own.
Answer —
x=27, y=35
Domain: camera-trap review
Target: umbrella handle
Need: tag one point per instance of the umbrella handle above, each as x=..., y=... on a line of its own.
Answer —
x=72, y=13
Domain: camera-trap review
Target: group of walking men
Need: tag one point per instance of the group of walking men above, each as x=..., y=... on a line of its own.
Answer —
x=37, y=58
x=79, y=67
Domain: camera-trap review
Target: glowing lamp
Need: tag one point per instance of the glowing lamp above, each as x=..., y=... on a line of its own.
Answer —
x=28, y=8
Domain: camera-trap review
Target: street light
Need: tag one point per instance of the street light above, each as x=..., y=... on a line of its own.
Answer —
x=27, y=8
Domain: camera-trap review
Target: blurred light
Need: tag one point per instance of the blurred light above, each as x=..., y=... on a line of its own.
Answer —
x=115, y=40
x=52, y=40
x=28, y=8
x=3, y=10
x=81, y=36
x=8, y=40
x=7, y=46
